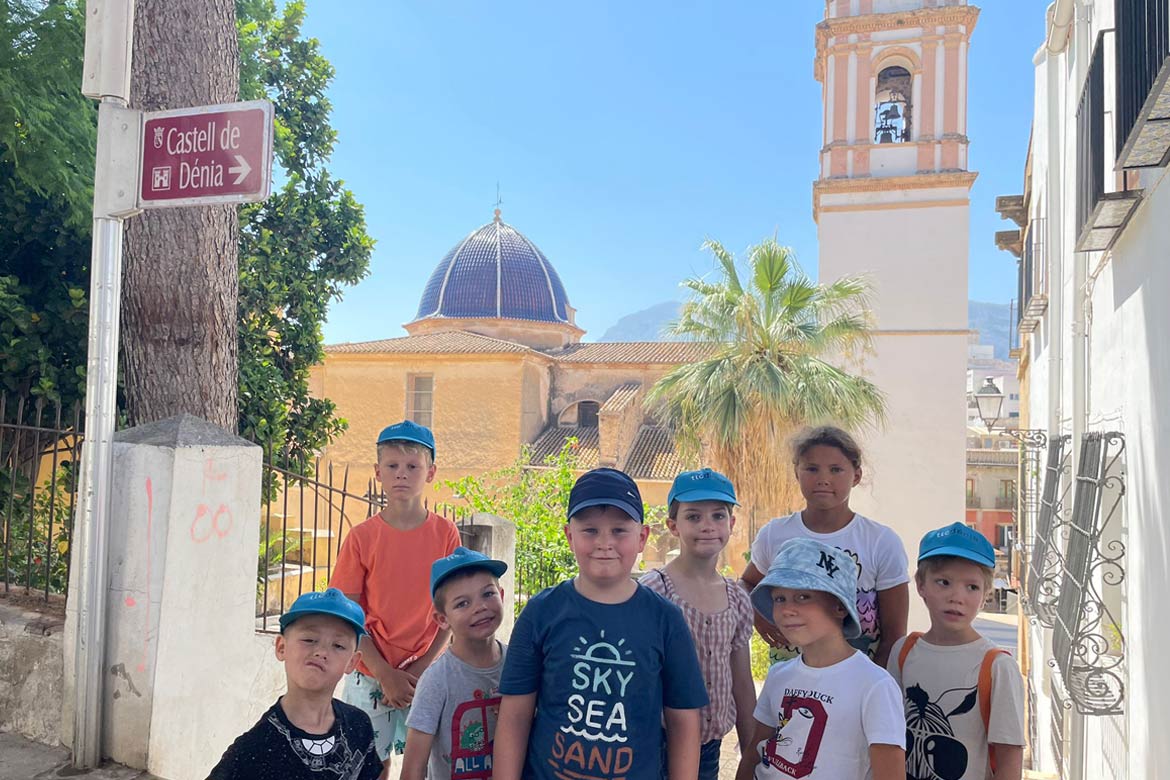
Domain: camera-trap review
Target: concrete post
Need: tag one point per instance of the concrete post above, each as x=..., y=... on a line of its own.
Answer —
x=180, y=653
x=495, y=537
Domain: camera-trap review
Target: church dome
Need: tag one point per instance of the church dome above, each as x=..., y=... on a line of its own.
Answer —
x=495, y=273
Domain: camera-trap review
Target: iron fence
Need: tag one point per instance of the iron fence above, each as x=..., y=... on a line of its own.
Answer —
x=40, y=441
x=1143, y=65
x=307, y=511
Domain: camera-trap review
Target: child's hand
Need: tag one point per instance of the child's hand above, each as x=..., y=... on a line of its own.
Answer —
x=769, y=632
x=397, y=688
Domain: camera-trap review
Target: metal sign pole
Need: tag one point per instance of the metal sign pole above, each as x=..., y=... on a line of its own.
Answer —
x=105, y=77
x=92, y=523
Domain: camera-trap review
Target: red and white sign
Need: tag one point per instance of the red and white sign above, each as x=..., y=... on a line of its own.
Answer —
x=207, y=154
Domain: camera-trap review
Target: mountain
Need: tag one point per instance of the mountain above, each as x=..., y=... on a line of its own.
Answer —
x=645, y=325
x=992, y=320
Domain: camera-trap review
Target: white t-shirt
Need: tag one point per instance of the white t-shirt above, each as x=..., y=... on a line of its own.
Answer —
x=880, y=556
x=827, y=718
x=943, y=724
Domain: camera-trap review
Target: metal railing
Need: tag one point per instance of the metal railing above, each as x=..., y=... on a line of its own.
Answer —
x=1088, y=638
x=1143, y=57
x=40, y=442
x=305, y=517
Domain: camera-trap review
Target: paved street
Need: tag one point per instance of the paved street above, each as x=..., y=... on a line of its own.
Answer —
x=24, y=760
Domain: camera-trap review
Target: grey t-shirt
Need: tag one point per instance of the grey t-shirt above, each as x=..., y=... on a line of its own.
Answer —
x=458, y=704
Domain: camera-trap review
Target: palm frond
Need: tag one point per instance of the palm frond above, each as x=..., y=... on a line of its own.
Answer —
x=772, y=371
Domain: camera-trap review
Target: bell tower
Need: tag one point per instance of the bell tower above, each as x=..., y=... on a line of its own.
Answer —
x=892, y=203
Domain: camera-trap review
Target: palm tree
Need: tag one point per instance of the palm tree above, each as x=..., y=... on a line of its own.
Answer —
x=778, y=344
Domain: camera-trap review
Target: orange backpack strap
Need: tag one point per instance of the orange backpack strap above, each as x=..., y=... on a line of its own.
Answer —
x=907, y=646
x=985, y=697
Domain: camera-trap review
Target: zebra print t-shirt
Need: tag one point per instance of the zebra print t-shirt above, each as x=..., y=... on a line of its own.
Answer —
x=944, y=728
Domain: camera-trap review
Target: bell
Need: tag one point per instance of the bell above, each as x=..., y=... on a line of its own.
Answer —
x=893, y=112
x=886, y=137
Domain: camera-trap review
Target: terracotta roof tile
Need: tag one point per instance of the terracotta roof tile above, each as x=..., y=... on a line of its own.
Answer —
x=653, y=455
x=621, y=398
x=452, y=342
x=670, y=352
x=553, y=438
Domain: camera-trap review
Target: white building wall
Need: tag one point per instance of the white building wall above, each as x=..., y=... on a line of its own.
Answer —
x=1113, y=373
x=915, y=258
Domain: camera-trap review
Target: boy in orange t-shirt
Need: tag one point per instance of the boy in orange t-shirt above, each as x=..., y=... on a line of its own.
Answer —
x=385, y=565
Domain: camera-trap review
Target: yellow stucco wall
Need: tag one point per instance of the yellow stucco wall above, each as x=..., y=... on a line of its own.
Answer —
x=477, y=405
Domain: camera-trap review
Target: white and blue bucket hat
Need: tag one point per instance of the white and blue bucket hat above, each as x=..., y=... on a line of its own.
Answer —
x=806, y=564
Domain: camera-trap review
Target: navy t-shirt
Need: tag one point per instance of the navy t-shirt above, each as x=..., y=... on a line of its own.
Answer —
x=602, y=674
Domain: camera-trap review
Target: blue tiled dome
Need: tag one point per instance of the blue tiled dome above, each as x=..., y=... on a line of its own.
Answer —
x=495, y=273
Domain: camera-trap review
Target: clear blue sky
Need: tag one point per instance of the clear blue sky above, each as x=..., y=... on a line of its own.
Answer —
x=622, y=135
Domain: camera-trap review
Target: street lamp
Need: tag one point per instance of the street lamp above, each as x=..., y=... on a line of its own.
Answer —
x=989, y=400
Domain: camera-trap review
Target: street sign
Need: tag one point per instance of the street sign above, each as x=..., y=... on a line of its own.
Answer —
x=207, y=154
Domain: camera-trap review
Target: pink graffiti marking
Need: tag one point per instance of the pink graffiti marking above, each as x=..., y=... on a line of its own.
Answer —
x=221, y=521
x=149, y=528
x=200, y=534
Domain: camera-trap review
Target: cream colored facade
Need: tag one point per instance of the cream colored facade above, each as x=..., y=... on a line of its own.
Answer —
x=892, y=203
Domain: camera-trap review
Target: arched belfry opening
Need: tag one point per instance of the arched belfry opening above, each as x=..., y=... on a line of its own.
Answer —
x=892, y=106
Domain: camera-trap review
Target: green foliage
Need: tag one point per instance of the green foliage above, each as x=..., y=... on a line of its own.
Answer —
x=778, y=341
x=761, y=663
x=38, y=528
x=47, y=136
x=47, y=128
x=298, y=249
x=536, y=500
x=273, y=551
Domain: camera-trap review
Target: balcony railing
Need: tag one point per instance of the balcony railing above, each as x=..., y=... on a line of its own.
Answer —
x=974, y=502
x=1143, y=83
x=1088, y=638
x=1101, y=214
x=1005, y=502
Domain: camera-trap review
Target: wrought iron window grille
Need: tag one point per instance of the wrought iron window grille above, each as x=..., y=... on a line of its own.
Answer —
x=1088, y=641
x=1046, y=553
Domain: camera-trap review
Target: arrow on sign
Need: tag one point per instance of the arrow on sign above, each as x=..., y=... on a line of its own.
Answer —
x=241, y=170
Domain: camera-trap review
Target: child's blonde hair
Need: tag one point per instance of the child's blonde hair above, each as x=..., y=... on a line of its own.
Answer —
x=826, y=436
x=672, y=510
x=406, y=447
x=928, y=566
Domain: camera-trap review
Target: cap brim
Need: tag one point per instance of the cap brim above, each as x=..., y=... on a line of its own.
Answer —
x=700, y=494
x=959, y=552
x=497, y=568
x=625, y=506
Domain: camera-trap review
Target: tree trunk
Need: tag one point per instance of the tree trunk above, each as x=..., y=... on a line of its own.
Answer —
x=179, y=301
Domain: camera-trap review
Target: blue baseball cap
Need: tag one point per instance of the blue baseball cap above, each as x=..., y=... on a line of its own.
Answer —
x=329, y=602
x=960, y=541
x=459, y=560
x=702, y=485
x=606, y=487
x=409, y=431
x=806, y=564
